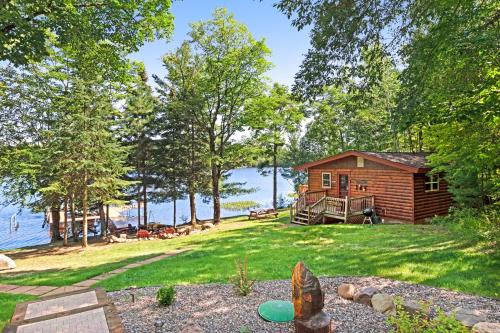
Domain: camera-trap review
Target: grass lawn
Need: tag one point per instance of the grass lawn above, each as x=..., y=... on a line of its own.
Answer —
x=8, y=302
x=426, y=254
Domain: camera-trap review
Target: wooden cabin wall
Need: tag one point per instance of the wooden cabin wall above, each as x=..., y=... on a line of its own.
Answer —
x=393, y=189
x=429, y=204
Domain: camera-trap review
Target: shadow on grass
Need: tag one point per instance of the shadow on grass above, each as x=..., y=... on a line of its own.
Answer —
x=63, y=277
x=420, y=254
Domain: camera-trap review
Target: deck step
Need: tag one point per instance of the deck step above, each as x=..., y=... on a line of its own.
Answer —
x=301, y=223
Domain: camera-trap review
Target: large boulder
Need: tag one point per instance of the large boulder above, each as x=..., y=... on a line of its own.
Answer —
x=6, y=262
x=364, y=296
x=484, y=327
x=468, y=317
x=383, y=303
x=346, y=290
x=413, y=307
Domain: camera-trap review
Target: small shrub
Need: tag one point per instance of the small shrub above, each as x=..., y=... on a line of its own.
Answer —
x=242, y=283
x=403, y=322
x=165, y=295
x=483, y=224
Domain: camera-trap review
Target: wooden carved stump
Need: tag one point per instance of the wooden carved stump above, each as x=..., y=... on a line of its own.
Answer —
x=308, y=301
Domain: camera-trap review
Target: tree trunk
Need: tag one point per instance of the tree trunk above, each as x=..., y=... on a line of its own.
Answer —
x=56, y=218
x=84, y=210
x=175, y=212
x=144, y=196
x=73, y=220
x=106, y=223
x=192, y=180
x=216, y=192
x=192, y=207
x=275, y=176
x=101, y=218
x=65, y=243
x=138, y=213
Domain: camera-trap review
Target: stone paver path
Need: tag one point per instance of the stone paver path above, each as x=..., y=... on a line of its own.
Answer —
x=92, y=321
x=61, y=304
x=87, y=311
x=51, y=291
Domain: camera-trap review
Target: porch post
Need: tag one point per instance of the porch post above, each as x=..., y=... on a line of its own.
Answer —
x=346, y=208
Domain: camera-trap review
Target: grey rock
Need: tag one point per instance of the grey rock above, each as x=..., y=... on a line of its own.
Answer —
x=6, y=262
x=468, y=317
x=364, y=296
x=484, y=327
x=346, y=290
x=159, y=323
x=383, y=303
x=412, y=307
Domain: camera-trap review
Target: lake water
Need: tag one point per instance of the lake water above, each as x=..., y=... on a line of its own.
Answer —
x=30, y=231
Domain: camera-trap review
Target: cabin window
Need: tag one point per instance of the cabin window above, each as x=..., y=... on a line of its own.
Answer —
x=360, y=162
x=326, y=180
x=431, y=183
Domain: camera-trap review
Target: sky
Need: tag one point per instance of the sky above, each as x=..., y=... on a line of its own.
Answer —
x=264, y=21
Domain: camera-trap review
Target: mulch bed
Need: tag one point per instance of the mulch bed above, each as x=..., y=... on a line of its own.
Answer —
x=217, y=308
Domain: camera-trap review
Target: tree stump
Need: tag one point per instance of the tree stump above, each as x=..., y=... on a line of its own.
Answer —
x=308, y=301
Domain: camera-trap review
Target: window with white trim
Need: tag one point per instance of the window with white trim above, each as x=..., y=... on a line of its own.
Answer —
x=326, y=180
x=431, y=183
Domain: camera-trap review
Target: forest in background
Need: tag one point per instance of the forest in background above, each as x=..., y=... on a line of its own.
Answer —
x=82, y=127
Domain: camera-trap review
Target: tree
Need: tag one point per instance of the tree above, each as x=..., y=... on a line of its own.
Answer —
x=180, y=100
x=274, y=117
x=448, y=53
x=27, y=26
x=137, y=131
x=233, y=63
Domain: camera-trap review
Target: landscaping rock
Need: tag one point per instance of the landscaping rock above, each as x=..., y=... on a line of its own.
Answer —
x=468, y=317
x=364, y=296
x=484, y=327
x=114, y=239
x=346, y=290
x=6, y=262
x=412, y=307
x=192, y=328
x=383, y=303
x=207, y=226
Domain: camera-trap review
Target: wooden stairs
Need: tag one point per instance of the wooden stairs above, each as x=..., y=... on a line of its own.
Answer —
x=313, y=207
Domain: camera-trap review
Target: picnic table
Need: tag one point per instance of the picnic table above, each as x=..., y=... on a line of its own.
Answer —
x=262, y=213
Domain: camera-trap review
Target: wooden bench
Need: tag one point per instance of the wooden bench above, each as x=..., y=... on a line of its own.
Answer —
x=262, y=213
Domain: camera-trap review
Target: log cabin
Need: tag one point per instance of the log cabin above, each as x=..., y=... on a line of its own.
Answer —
x=399, y=186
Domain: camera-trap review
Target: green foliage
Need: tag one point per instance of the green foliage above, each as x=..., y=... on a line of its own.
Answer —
x=26, y=26
x=404, y=322
x=232, y=67
x=165, y=296
x=483, y=223
x=242, y=283
x=240, y=205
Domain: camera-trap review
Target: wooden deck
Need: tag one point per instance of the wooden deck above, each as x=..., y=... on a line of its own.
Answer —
x=314, y=206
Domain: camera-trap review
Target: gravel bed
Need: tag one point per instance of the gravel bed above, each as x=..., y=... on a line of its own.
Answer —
x=217, y=308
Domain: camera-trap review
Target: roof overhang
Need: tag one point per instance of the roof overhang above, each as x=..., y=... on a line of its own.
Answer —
x=401, y=166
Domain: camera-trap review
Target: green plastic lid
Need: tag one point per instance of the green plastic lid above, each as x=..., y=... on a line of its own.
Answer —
x=276, y=311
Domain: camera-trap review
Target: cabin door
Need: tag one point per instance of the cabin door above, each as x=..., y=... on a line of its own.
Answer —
x=343, y=185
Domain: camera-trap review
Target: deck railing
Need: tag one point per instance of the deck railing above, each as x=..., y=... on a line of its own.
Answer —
x=358, y=204
x=317, y=203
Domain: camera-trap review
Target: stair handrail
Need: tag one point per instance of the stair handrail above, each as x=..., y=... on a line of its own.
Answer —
x=312, y=209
